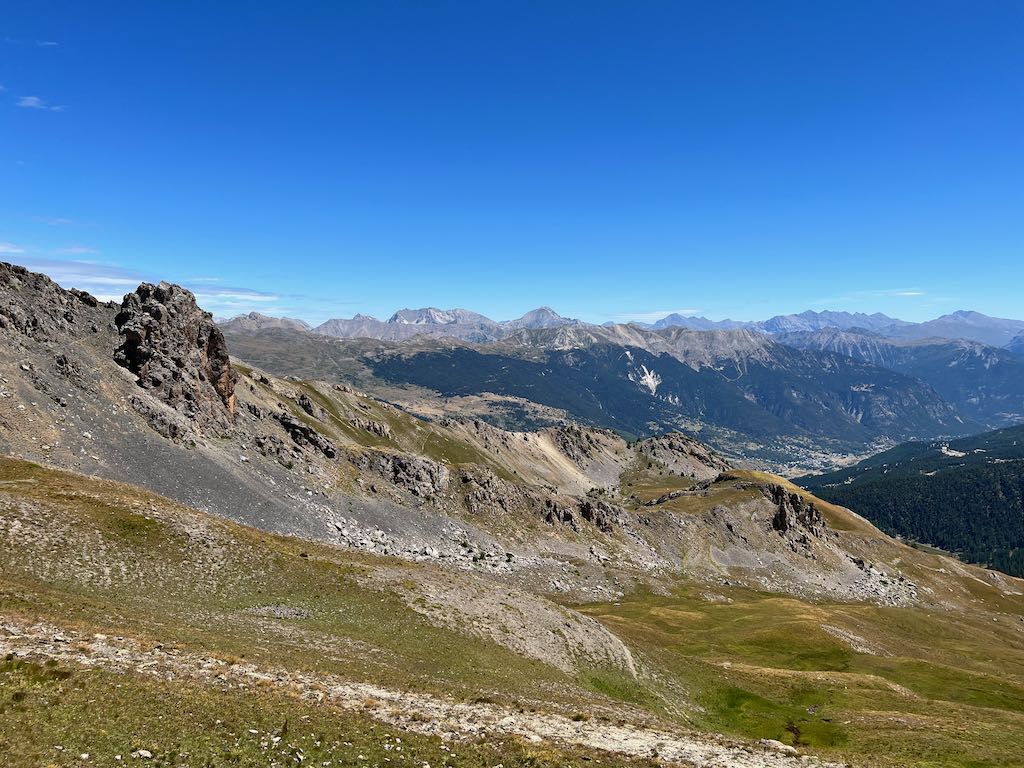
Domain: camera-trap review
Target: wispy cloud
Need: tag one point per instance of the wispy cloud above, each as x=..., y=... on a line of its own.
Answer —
x=46, y=43
x=34, y=102
x=872, y=295
x=11, y=248
x=54, y=221
x=109, y=282
x=654, y=315
x=75, y=250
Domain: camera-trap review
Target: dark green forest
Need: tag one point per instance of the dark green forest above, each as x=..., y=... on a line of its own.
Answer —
x=966, y=497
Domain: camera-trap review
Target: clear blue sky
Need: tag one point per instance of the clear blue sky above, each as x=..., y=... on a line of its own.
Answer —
x=610, y=159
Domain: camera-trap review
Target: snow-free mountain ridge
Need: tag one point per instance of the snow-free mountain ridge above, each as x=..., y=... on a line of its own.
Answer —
x=472, y=326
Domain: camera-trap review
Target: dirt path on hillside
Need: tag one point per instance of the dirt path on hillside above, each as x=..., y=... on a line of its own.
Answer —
x=417, y=712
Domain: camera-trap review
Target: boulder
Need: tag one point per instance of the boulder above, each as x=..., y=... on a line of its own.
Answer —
x=306, y=403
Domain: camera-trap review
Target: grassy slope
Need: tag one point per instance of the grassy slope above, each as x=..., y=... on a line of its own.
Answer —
x=940, y=688
x=891, y=686
x=190, y=582
x=50, y=715
x=193, y=581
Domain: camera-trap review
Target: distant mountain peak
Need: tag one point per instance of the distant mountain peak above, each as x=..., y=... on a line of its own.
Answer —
x=435, y=316
x=697, y=323
x=257, y=321
x=542, y=317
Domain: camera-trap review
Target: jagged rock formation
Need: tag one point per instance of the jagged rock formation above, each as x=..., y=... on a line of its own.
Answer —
x=420, y=477
x=602, y=514
x=34, y=306
x=306, y=403
x=178, y=353
x=304, y=435
x=378, y=428
x=796, y=519
x=576, y=443
x=485, y=493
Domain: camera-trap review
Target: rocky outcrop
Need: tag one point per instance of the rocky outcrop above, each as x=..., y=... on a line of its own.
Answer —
x=34, y=306
x=684, y=455
x=270, y=445
x=420, y=477
x=601, y=514
x=378, y=428
x=178, y=354
x=306, y=403
x=796, y=519
x=485, y=493
x=576, y=442
x=556, y=511
x=304, y=435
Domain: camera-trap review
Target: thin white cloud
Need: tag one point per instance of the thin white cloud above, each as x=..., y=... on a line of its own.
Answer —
x=872, y=295
x=658, y=314
x=109, y=282
x=75, y=250
x=34, y=102
x=11, y=248
x=236, y=295
x=47, y=43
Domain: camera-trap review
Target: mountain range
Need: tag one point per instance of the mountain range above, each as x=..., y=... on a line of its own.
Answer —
x=260, y=567
x=795, y=392
x=742, y=391
x=471, y=326
x=971, y=326
x=984, y=383
x=429, y=321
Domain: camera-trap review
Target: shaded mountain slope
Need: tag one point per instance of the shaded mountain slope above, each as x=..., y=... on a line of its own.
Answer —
x=984, y=383
x=746, y=394
x=965, y=496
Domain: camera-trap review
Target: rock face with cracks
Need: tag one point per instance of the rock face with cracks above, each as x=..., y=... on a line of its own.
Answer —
x=178, y=354
x=34, y=306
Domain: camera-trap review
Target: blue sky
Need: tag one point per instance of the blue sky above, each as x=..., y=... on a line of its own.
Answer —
x=614, y=160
